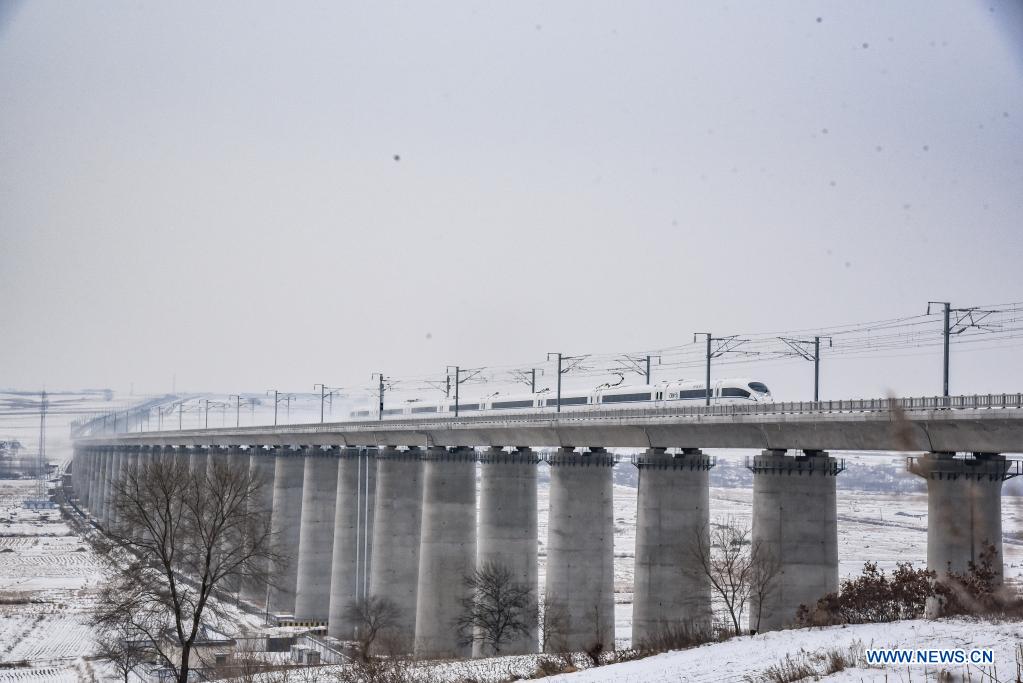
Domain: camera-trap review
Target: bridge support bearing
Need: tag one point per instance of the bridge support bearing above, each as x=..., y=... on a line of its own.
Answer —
x=447, y=551
x=262, y=468
x=795, y=522
x=353, y=536
x=316, y=535
x=964, y=508
x=671, y=588
x=285, y=525
x=397, y=522
x=580, y=550
x=508, y=531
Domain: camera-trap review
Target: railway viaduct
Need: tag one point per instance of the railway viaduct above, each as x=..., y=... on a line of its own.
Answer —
x=390, y=507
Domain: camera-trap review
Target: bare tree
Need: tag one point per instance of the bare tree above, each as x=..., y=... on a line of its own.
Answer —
x=119, y=643
x=765, y=569
x=374, y=616
x=180, y=535
x=726, y=558
x=553, y=625
x=498, y=609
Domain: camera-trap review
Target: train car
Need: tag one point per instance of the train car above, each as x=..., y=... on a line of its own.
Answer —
x=722, y=392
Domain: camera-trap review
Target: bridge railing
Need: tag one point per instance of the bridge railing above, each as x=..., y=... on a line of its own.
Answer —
x=871, y=405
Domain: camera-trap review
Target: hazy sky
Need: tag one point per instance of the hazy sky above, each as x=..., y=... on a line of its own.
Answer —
x=253, y=195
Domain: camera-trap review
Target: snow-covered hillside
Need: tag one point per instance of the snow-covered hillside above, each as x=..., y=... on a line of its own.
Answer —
x=748, y=658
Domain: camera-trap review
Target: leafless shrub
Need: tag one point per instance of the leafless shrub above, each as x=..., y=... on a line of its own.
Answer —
x=551, y=666
x=677, y=636
x=789, y=670
x=737, y=568
x=122, y=645
x=810, y=665
x=497, y=610
x=873, y=597
x=389, y=669
x=979, y=590
x=553, y=625
x=375, y=617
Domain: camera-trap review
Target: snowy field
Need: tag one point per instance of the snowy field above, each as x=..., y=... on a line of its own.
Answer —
x=47, y=581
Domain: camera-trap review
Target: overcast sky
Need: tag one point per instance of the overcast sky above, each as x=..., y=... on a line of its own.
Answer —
x=251, y=195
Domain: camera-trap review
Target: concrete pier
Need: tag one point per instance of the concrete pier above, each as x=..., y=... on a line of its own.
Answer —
x=507, y=533
x=101, y=482
x=447, y=551
x=795, y=523
x=353, y=537
x=580, y=549
x=198, y=462
x=316, y=535
x=394, y=570
x=673, y=512
x=289, y=474
x=261, y=469
x=964, y=508
x=237, y=459
x=96, y=482
x=183, y=458
x=107, y=514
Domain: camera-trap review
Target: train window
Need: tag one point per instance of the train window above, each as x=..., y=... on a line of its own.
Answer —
x=425, y=409
x=567, y=401
x=734, y=392
x=467, y=406
x=393, y=411
x=497, y=405
x=624, y=398
x=692, y=393
x=759, y=387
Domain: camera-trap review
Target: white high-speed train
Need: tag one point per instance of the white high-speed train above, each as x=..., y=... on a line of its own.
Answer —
x=724, y=391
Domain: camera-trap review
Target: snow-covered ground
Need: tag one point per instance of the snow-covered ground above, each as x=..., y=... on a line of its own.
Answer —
x=747, y=658
x=47, y=580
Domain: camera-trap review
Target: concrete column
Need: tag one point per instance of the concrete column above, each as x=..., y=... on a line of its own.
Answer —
x=507, y=531
x=580, y=548
x=394, y=570
x=99, y=482
x=110, y=478
x=237, y=458
x=289, y=471
x=673, y=511
x=261, y=469
x=316, y=535
x=237, y=461
x=353, y=536
x=142, y=458
x=216, y=454
x=82, y=486
x=964, y=508
x=183, y=458
x=198, y=461
x=795, y=522
x=121, y=466
x=447, y=551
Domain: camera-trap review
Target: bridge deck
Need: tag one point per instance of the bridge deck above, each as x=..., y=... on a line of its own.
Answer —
x=960, y=423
